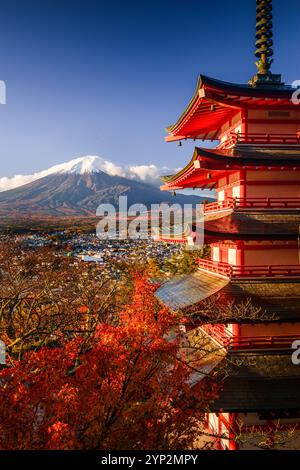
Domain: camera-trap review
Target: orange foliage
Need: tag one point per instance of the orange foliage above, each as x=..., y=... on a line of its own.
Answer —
x=123, y=389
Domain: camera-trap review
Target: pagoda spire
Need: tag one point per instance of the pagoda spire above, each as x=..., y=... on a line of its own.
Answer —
x=264, y=47
x=264, y=35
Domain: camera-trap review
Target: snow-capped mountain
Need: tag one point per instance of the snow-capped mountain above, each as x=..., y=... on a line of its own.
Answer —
x=77, y=188
x=79, y=166
x=90, y=164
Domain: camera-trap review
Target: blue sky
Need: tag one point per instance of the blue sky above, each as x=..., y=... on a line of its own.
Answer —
x=105, y=77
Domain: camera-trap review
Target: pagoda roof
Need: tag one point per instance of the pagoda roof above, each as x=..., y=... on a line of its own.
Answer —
x=259, y=382
x=278, y=300
x=238, y=226
x=200, y=121
x=256, y=226
x=252, y=381
x=183, y=291
x=207, y=165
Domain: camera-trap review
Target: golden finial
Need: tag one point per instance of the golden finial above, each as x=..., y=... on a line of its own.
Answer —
x=264, y=35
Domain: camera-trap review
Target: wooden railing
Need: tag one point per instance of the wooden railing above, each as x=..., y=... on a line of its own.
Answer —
x=218, y=333
x=219, y=206
x=263, y=342
x=229, y=271
x=252, y=203
x=229, y=341
x=260, y=139
x=170, y=240
x=224, y=269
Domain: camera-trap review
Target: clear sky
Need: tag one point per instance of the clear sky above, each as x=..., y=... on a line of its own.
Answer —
x=104, y=78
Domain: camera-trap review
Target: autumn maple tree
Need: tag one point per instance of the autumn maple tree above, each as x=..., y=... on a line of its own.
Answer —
x=42, y=293
x=122, y=387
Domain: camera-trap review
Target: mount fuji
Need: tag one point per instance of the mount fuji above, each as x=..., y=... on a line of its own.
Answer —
x=77, y=187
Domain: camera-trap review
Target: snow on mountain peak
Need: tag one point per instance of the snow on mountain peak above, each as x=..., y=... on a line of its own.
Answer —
x=148, y=173
x=79, y=166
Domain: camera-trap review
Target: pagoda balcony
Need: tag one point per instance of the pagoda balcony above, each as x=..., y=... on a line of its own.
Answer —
x=234, y=139
x=227, y=340
x=240, y=204
x=231, y=272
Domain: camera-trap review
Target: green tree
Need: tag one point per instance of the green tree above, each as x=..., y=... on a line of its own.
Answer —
x=186, y=261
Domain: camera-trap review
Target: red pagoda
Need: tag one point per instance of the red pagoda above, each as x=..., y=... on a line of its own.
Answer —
x=253, y=231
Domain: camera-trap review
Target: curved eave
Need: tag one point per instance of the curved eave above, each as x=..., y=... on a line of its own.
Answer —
x=199, y=121
x=233, y=159
x=170, y=129
x=187, y=169
x=277, y=298
x=207, y=165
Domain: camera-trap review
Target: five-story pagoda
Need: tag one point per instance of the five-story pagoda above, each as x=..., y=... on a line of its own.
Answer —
x=253, y=231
